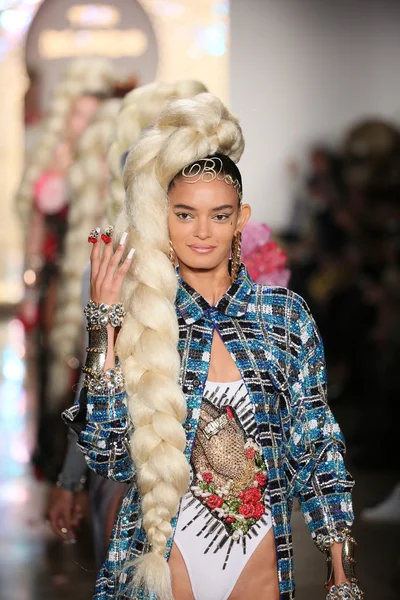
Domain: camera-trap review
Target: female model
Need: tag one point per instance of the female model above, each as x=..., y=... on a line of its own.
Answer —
x=42, y=203
x=218, y=417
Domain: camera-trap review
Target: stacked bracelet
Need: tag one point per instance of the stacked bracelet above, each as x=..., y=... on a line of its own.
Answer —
x=106, y=383
x=324, y=542
x=98, y=381
x=101, y=315
x=345, y=591
x=70, y=485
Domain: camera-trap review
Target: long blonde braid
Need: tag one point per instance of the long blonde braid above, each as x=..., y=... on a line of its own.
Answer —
x=89, y=77
x=185, y=131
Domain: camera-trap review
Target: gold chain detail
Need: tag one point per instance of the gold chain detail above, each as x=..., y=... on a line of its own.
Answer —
x=236, y=256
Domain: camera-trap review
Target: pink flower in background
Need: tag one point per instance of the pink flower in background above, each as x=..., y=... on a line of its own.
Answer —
x=49, y=193
x=254, y=235
x=278, y=278
x=265, y=261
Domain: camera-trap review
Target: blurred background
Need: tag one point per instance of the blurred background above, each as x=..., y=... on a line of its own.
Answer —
x=316, y=86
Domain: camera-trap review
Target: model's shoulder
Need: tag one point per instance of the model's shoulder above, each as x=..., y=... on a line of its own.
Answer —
x=280, y=297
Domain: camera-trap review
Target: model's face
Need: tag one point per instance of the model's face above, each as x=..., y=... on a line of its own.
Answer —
x=203, y=219
x=82, y=111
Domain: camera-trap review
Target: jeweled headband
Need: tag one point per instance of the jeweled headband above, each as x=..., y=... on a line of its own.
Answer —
x=213, y=167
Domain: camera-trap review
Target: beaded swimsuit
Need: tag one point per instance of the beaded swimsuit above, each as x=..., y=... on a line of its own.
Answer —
x=226, y=512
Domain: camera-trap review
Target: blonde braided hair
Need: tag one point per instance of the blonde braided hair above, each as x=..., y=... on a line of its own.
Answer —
x=139, y=109
x=185, y=131
x=83, y=77
x=87, y=182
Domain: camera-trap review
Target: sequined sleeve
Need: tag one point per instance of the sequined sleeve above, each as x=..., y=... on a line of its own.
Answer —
x=322, y=484
x=104, y=428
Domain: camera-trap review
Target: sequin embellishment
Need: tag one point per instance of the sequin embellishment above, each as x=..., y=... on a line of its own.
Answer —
x=229, y=480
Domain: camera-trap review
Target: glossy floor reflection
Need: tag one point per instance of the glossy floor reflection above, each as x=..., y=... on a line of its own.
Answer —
x=35, y=565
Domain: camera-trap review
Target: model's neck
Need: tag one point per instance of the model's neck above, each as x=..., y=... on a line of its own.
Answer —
x=212, y=284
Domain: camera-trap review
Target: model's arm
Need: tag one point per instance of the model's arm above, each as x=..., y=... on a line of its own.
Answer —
x=100, y=416
x=74, y=469
x=322, y=483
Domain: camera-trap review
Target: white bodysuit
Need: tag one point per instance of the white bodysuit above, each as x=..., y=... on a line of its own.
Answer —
x=226, y=512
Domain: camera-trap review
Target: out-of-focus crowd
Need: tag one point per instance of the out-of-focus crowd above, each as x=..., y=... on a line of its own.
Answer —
x=343, y=244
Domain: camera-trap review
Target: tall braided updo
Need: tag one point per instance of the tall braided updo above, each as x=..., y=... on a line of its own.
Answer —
x=185, y=131
x=93, y=77
x=87, y=182
x=138, y=111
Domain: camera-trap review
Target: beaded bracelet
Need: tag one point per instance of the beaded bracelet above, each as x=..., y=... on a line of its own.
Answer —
x=324, y=542
x=101, y=315
x=106, y=383
x=345, y=591
x=70, y=485
x=348, y=590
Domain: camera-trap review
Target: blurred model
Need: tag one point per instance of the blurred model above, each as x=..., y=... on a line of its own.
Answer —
x=32, y=112
x=87, y=183
x=42, y=202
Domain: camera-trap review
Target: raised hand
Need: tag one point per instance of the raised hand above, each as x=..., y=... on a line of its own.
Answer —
x=107, y=274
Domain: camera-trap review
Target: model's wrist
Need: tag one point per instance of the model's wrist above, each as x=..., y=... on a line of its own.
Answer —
x=339, y=547
x=339, y=575
x=100, y=314
x=103, y=374
x=71, y=485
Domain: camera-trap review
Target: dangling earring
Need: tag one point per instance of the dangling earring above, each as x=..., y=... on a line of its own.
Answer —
x=236, y=255
x=171, y=254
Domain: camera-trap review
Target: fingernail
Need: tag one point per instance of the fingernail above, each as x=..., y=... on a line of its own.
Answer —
x=131, y=253
x=98, y=229
x=123, y=238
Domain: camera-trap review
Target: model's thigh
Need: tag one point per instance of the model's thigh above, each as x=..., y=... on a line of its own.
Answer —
x=181, y=586
x=259, y=578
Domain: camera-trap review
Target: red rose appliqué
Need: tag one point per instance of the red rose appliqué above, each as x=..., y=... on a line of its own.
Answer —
x=250, y=453
x=247, y=510
x=252, y=496
x=261, y=479
x=259, y=510
x=214, y=501
x=207, y=477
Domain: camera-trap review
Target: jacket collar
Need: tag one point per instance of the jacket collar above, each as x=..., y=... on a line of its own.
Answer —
x=192, y=306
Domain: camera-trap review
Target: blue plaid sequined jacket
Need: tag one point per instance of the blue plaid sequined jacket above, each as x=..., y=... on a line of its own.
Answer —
x=271, y=335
